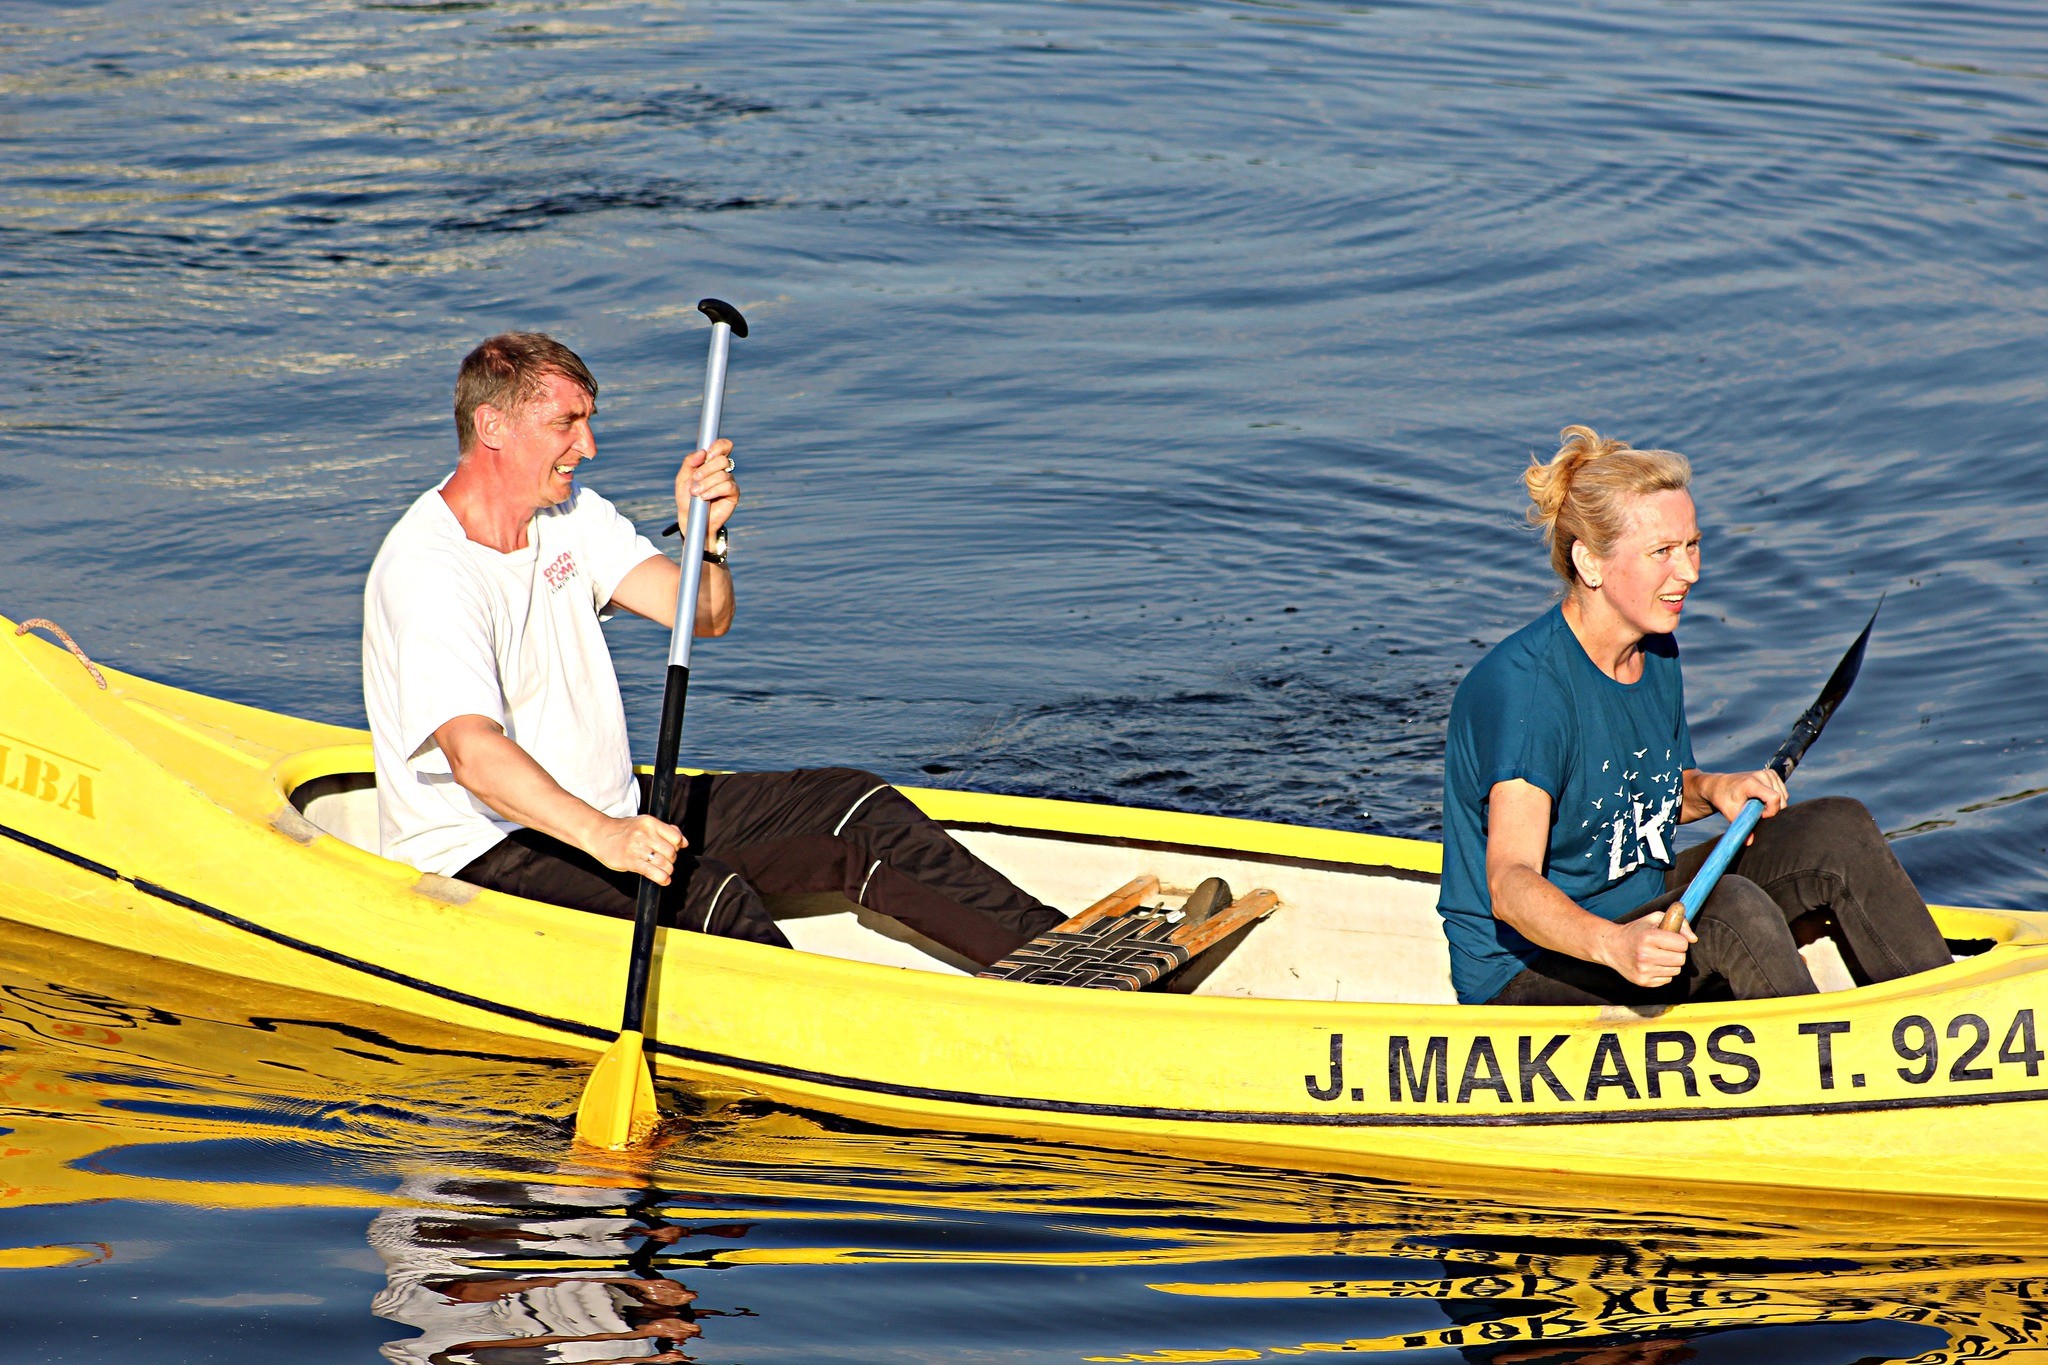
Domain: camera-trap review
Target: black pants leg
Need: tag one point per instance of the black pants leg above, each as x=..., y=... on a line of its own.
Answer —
x=1828, y=856
x=815, y=829
x=1822, y=856
x=706, y=894
x=819, y=862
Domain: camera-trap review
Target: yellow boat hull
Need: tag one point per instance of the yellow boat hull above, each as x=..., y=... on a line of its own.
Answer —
x=162, y=821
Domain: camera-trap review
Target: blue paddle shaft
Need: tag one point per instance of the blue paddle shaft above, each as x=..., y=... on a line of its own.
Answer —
x=1702, y=884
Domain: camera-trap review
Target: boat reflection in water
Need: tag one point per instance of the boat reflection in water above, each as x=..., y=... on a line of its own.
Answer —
x=1627, y=1306
x=125, y=1086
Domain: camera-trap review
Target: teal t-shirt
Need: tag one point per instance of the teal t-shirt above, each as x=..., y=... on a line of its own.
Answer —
x=1612, y=757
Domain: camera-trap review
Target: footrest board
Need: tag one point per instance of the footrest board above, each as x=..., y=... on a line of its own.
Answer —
x=1126, y=952
x=1118, y=945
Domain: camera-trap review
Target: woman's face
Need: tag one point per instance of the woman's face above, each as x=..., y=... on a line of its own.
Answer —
x=1653, y=565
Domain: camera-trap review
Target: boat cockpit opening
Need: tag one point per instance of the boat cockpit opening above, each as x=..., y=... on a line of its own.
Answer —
x=1341, y=932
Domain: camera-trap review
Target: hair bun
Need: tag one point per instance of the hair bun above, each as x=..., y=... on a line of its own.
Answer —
x=1576, y=495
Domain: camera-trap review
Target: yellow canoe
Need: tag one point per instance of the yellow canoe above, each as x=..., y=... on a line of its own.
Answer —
x=204, y=832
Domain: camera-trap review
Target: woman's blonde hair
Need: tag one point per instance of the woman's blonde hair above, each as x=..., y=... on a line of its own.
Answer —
x=1582, y=493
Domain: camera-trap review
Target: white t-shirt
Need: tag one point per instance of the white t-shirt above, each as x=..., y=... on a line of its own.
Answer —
x=454, y=628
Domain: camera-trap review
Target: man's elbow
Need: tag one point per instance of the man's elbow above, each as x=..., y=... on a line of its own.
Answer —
x=462, y=765
x=464, y=746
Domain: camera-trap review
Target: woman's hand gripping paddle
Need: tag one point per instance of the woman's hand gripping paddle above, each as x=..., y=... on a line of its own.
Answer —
x=618, y=1106
x=1782, y=763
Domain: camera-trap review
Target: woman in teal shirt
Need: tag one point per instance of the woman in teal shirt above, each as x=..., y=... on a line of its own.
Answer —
x=1569, y=767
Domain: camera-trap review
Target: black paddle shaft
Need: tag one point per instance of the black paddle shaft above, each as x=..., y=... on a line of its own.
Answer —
x=648, y=911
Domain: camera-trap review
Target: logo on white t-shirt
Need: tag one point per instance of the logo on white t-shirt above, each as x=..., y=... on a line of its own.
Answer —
x=561, y=571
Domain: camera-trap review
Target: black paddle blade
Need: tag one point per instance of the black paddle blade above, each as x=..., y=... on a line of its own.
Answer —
x=1816, y=718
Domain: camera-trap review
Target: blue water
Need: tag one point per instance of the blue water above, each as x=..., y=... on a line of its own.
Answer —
x=1134, y=406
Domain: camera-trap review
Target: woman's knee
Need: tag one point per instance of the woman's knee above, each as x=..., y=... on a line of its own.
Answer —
x=1839, y=820
x=1836, y=836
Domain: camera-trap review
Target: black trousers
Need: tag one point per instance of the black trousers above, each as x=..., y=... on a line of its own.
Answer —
x=1813, y=862
x=783, y=834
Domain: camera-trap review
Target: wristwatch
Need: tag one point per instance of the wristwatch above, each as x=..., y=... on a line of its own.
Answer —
x=715, y=552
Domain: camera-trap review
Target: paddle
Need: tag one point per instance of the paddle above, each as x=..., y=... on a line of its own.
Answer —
x=1782, y=763
x=618, y=1105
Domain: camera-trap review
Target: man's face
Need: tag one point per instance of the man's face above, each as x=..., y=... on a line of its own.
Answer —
x=544, y=439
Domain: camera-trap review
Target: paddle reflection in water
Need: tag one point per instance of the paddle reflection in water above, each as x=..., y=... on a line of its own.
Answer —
x=421, y=1173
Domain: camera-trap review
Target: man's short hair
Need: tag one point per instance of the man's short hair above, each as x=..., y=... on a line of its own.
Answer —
x=510, y=369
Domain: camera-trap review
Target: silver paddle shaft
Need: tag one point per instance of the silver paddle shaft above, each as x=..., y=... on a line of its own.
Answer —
x=697, y=523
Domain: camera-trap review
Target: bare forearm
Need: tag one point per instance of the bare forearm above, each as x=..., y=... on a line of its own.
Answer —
x=1527, y=902
x=650, y=590
x=1523, y=898
x=1696, y=804
x=714, y=602
x=495, y=770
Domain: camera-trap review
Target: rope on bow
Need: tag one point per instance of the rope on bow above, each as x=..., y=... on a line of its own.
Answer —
x=39, y=623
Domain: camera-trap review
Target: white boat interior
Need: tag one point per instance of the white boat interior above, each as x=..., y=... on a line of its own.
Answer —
x=1342, y=934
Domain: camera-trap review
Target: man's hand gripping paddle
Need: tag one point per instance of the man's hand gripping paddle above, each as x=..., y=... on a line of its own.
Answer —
x=618, y=1106
x=1782, y=763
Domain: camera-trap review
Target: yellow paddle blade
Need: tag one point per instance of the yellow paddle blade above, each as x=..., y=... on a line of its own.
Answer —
x=618, y=1108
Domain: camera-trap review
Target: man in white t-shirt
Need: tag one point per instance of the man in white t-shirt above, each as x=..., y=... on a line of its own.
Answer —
x=499, y=735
